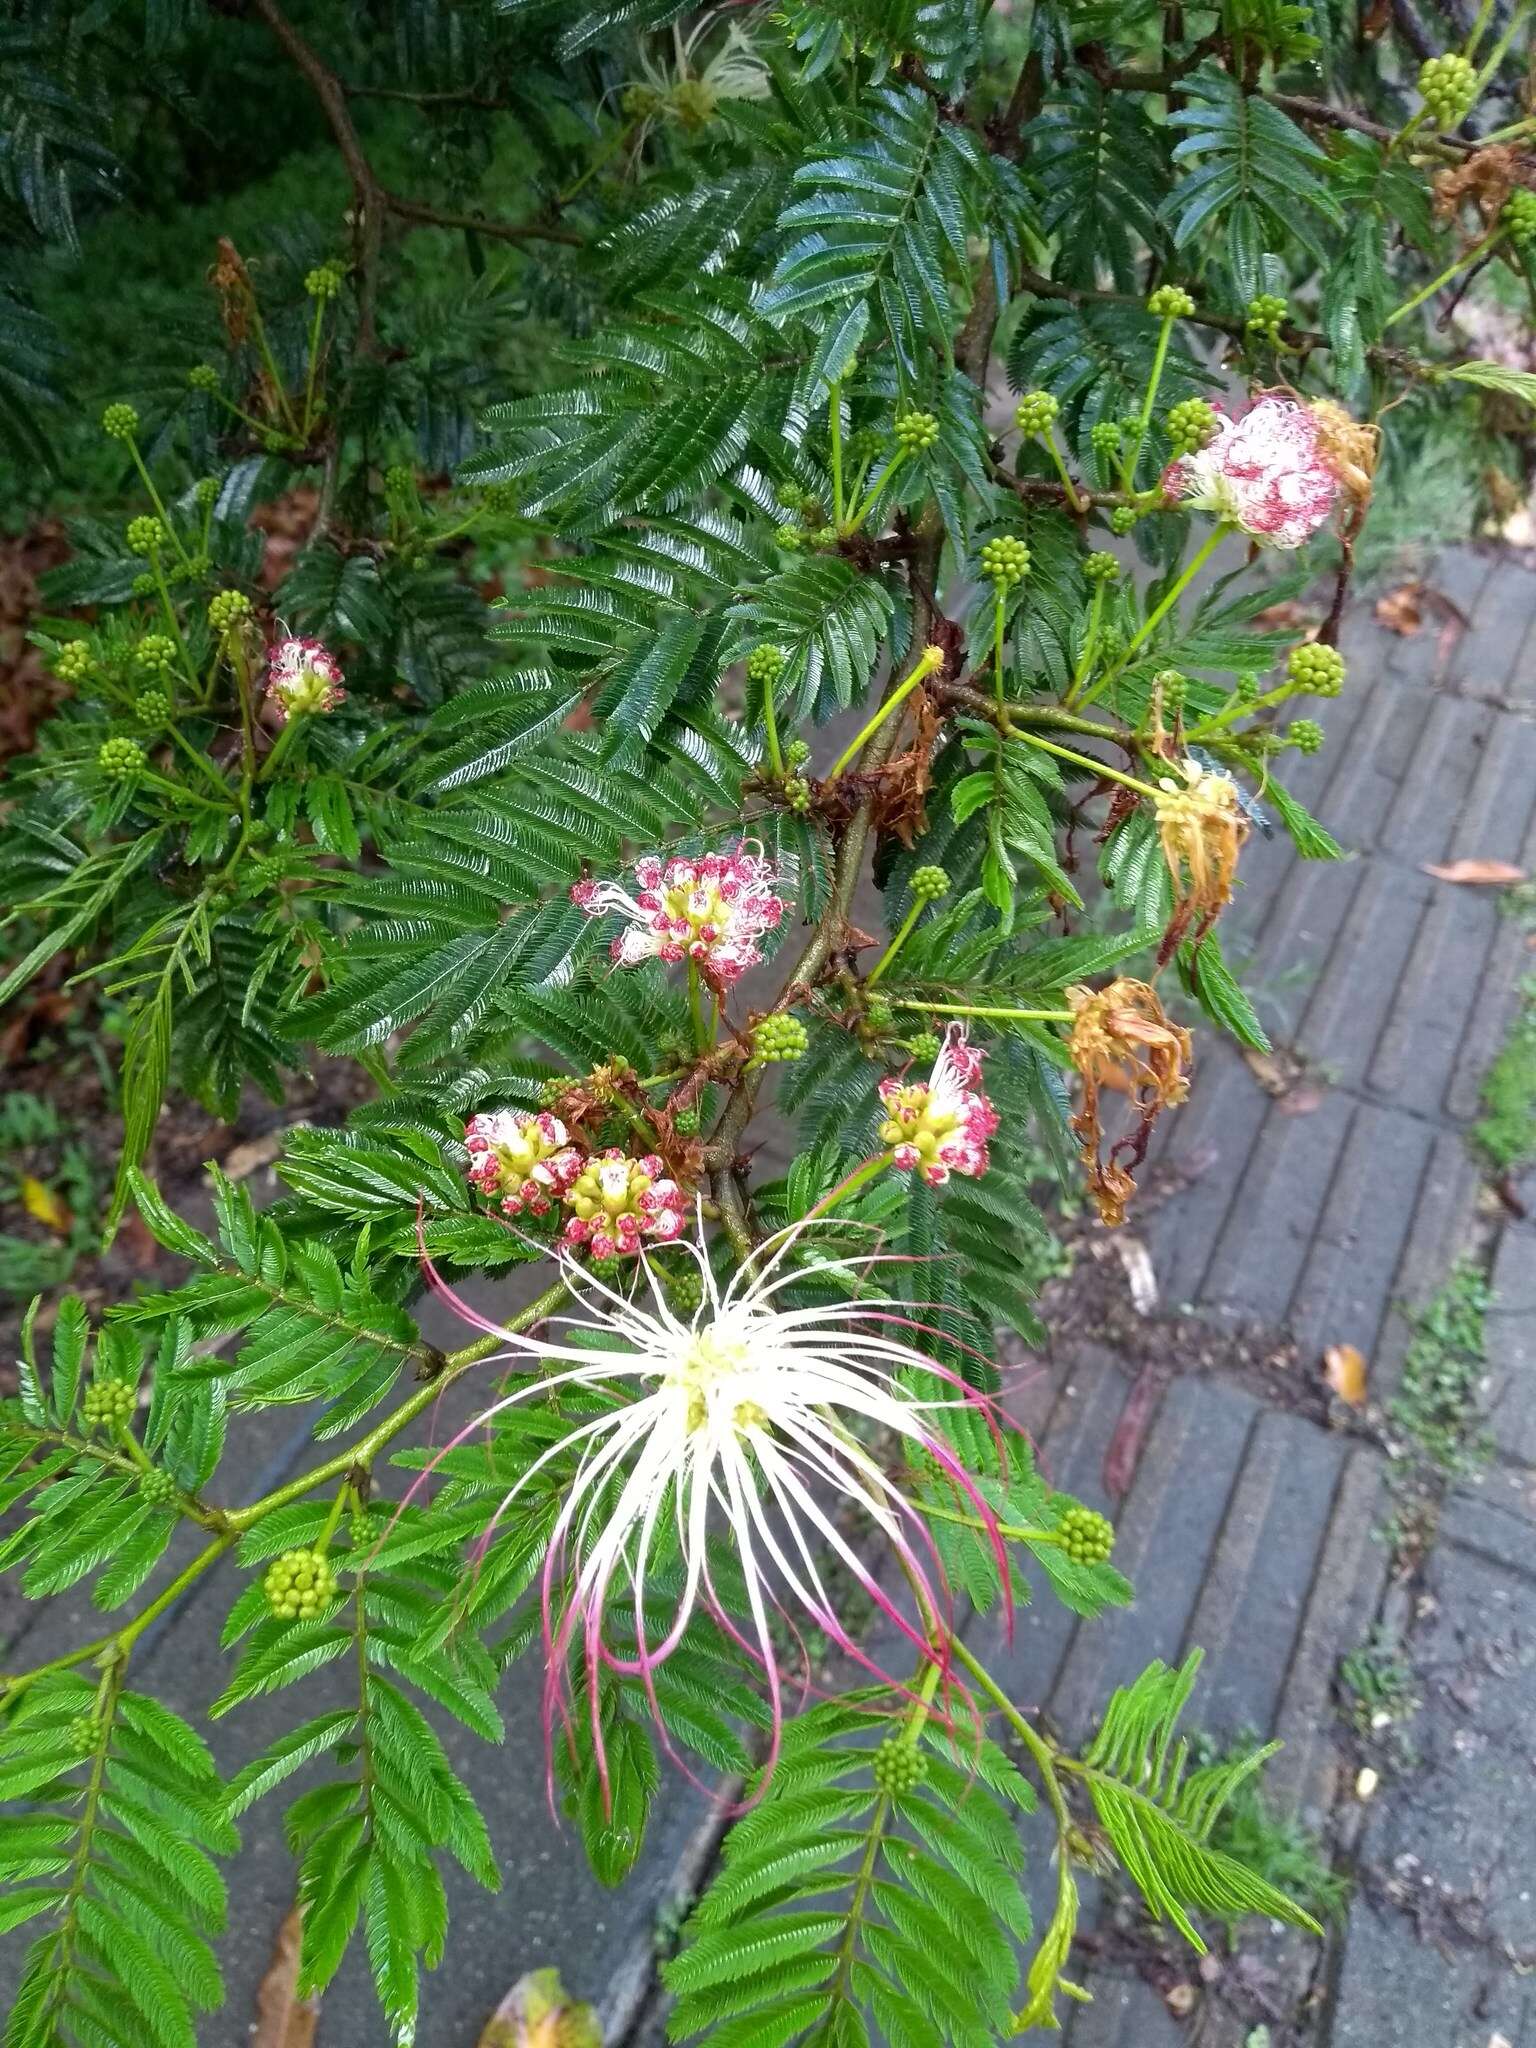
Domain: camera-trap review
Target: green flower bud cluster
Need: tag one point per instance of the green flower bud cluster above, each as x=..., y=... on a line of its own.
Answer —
x=152, y=707
x=119, y=423
x=915, y=431
x=611, y=1268
x=1170, y=302
x=399, y=480
x=145, y=534
x=203, y=377
x=74, y=661
x=789, y=537
x=1305, y=735
x=925, y=1045
x=157, y=1489
x=765, y=664
x=155, y=654
x=1123, y=518
x=1191, y=424
x=299, y=1583
x=119, y=758
x=1246, y=688
x=1449, y=87
x=107, y=1404
x=1316, y=669
x=779, y=1037
x=1101, y=567
x=1104, y=437
x=1266, y=315
x=144, y=586
x=500, y=499
x=687, y=1122
x=797, y=753
x=1519, y=217
x=81, y=1734
x=929, y=884
x=205, y=493
x=226, y=608
x=324, y=281
x=1172, y=683
x=1036, y=412
x=879, y=1015
x=1086, y=1536
x=1005, y=560
x=898, y=1767
x=685, y=1288
x=194, y=570
x=797, y=794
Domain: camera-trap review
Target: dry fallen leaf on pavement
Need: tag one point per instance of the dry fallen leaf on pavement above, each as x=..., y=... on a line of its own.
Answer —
x=1497, y=873
x=44, y=1206
x=283, y=2019
x=538, y=2012
x=1344, y=1370
x=1402, y=610
x=1137, y=1261
x=1181, y=2000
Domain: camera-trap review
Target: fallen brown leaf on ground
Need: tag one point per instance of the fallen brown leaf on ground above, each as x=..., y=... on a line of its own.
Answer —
x=283, y=2019
x=538, y=2012
x=1181, y=2000
x=1496, y=874
x=1130, y=1432
x=245, y=1159
x=1344, y=1370
x=1402, y=610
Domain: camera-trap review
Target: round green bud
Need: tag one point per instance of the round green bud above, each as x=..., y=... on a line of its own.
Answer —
x=685, y=1288
x=1123, y=518
x=797, y=753
x=612, y=1268
x=299, y=1585
x=227, y=608
x=1305, y=735
x=1172, y=683
x=1101, y=567
x=1035, y=412
x=108, y=1404
x=145, y=535
x=1316, y=669
x=1192, y=423
x=195, y=569
x=324, y=281
x=120, y=422
x=399, y=479
x=144, y=586
x=203, y=377
x=898, y=1767
x=120, y=759
x=779, y=1037
x=929, y=884
x=156, y=653
x=74, y=661
x=81, y=1734
x=1518, y=216
x=789, y=537
x=157, y=1489
x=797, y=794
x=152, y=707
x=687, y=1121
x=205, y=493
x=1170, y=302
x=1449, y=87
x=274, y=441
x=765, y=664
x=915, y=431
x=1246, y=688
x=500, y=499
x=1005, y=560
x=1105, y=437
x=638, y=102
x=1266, y=315
x=880, y=1015
x=1086, y=1537
x=925, y=1045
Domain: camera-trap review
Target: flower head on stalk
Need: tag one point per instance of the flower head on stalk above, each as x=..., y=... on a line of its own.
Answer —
x=524, y=1159
x=1202, y=828
x=303, y=676
x=712, y=910
x=940, y=1126
x=618, y=1202
x=1122, y=1038
x=739, y=1428
x=1269, y=469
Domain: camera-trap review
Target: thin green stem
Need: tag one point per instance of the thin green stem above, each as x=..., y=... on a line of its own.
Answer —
x=835, y=437
x=127, y=1637
x=860, y=1177
x=982, y=1010
x=1075, y=504
x=930, y=659
x=998, y=623
x=1481, y=247
x=871, y=498
x=1031, y=739
x=1044, y=1756
x=1484, y=15
x=1090, y=643
x=696, y=1007
x=903, y=934
x=155, y=570
x=313, y=365
x=1497, y=54
x=265, y=347
x=1014, y=1531
x=256, y=426
x=322, y=1542
x=203, y=766
x=155, y=499
x=771, y=724
x=280, y=745
x=181, y=793
x=1144, y=418
x=367, y=1449
x=1154, y=619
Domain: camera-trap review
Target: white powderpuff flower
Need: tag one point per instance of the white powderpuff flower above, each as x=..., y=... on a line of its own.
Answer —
x=303, y=676
x=1267, y=470
x=711, y=910
x=940, y=1126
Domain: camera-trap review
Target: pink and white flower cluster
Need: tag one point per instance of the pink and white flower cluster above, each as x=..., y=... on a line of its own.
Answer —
x=1266, y=471
x=527, y=1160
x=617, y=1202
x=303, y=676
x=712, y=910
x=940, y=1126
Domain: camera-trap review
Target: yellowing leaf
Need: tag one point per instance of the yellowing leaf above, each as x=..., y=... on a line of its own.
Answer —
x=44, y=1206
x=1344, y=1370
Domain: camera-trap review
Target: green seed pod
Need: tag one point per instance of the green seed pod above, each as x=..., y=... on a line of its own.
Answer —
x=120, y=422
x=929, y=883
x=145, y=535
x=1036, y=412
x=1305, y=735
x=1192, y=423
x=74, y=661
x=1086, y=1536
x=915, y=431
x=299, y=1585
x=157, y=1489
x=227, y=608
x=120, y=758
x=1005, y=560
x=1317, y=669
x=1170, y=302
x=1101, y=567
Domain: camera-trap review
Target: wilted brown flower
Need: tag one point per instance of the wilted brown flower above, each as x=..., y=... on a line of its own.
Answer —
x=1485, y=176
x=1201, y=825
x=1350, y=449
x=1122, y=1038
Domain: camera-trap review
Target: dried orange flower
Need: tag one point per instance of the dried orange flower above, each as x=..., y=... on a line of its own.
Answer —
x=1350, y=450
x=1122, y=1038
x=1201, y=825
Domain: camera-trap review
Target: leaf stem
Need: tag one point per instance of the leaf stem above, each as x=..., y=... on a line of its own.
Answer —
x=314, y=363
x=981, y=1010
x=930, y=659
x=771, y=725
x=155, y=499
x=835, y=437
x=1154, y=619
x=902, y=935
x=1144, y=418
x=1032, y=739
x=1481, y=247
x=857, y=518
x=998, y=620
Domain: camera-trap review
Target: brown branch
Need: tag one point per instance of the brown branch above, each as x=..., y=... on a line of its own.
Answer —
x=473, y=223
